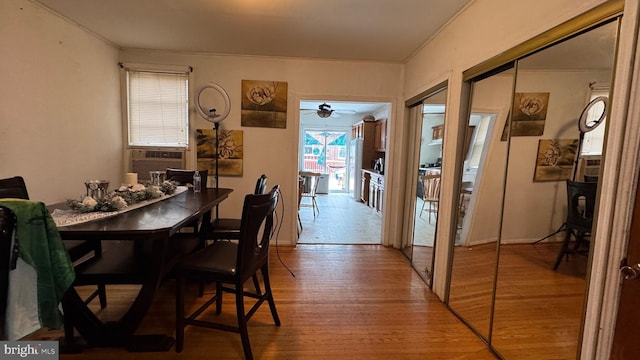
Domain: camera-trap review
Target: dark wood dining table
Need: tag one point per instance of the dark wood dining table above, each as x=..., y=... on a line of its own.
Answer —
x=154, y=230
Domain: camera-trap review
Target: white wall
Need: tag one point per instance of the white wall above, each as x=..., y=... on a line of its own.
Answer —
x=60, y=121
x=274, y=151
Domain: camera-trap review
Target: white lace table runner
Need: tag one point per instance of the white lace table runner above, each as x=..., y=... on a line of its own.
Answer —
x=72, y=217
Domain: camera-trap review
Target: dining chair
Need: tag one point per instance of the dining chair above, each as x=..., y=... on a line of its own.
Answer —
x=311, y=180
x=7, y=224
x=300, y=190
x=581, y=199
x=230, y=265
x=79, y=250
x=229, y=228
x=184, y=177
x=591, y=178
x=430, y=194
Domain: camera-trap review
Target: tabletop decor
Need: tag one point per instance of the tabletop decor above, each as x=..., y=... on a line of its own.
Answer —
x=124, y=196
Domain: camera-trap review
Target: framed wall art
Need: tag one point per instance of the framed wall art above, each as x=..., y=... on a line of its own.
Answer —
x=555, y=159
x=229, y=146
x=264, y=104
x=529, y=113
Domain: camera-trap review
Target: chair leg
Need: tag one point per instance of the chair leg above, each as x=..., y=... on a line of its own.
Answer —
x=564, y=250
x=179, y=313
x=218, y=297
x=269, y=294
x=242, y=323
x=102, y=295
x=256, y=284
x=422, y=209
x=315, y=207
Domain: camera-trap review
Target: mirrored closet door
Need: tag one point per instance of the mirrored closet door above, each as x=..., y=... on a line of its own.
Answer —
x=512, y=279
x=428, y=139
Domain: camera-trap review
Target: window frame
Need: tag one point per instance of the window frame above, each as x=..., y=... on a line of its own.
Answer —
x=155, y=68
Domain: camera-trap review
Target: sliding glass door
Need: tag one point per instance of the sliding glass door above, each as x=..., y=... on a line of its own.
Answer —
x=325, y=152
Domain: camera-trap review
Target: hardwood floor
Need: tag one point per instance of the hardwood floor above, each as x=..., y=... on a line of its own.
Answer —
x=345, y=302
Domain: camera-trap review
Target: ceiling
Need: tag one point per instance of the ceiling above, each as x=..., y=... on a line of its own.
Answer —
x=374, y=30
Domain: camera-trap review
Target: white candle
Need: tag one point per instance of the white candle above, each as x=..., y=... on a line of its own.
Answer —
x=131, y=178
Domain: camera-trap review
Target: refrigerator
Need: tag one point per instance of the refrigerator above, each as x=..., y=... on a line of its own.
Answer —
x=355, y=165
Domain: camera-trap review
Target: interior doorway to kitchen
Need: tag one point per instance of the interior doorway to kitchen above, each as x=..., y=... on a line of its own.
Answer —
x=325, y=147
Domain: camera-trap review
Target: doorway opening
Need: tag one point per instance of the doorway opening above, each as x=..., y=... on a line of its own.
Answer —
x=325, y=139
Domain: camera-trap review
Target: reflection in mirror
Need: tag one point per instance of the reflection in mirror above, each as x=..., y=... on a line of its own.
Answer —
x=428, y=165
x=475, y=251
x=541, y=307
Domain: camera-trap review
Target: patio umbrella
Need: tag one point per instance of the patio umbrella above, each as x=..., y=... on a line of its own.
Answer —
x=339, y=141
x=321, y=158
x=310, y=140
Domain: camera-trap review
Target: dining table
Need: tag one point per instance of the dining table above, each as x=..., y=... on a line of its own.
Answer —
x=154, y=232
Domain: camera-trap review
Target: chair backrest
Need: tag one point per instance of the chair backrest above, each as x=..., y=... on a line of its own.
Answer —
x=261, y=185
x=13, y=188
x=7, y=224
x=256, y=230
x=183, y=177
x=311, y=180
x=590, y=178
x=581, y=201
x=431, y=187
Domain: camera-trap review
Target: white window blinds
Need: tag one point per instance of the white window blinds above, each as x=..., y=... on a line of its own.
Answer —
x=157, y=108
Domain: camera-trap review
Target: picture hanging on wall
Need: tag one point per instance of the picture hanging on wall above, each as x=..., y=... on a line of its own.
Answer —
x=229, y=146
x=529, y=114
x=555, y=159
x=264, y=104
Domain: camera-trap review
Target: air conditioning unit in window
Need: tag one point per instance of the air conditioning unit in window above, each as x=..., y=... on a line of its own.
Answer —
x=143, y=161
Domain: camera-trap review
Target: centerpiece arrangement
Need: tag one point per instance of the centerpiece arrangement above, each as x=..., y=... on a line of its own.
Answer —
x=124, y=196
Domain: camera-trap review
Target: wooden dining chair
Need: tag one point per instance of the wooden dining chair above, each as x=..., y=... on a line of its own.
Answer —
x=430, y=194
x=230, y=265
x=79, y=250
x=311, y=181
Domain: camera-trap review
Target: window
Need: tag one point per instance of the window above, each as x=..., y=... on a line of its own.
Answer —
x=481, y=123
x=157, y=108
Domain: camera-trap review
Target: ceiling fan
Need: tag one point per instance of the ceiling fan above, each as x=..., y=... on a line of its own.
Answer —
x=324, y=111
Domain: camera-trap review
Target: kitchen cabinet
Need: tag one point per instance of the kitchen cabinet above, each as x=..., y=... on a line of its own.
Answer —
x=373, y=186
x=437, y=132
x=376, y=192
x=365, y=130
x=380, y=140
x=357, y=130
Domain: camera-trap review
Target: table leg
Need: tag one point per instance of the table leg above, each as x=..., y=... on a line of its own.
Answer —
x=120, y=333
